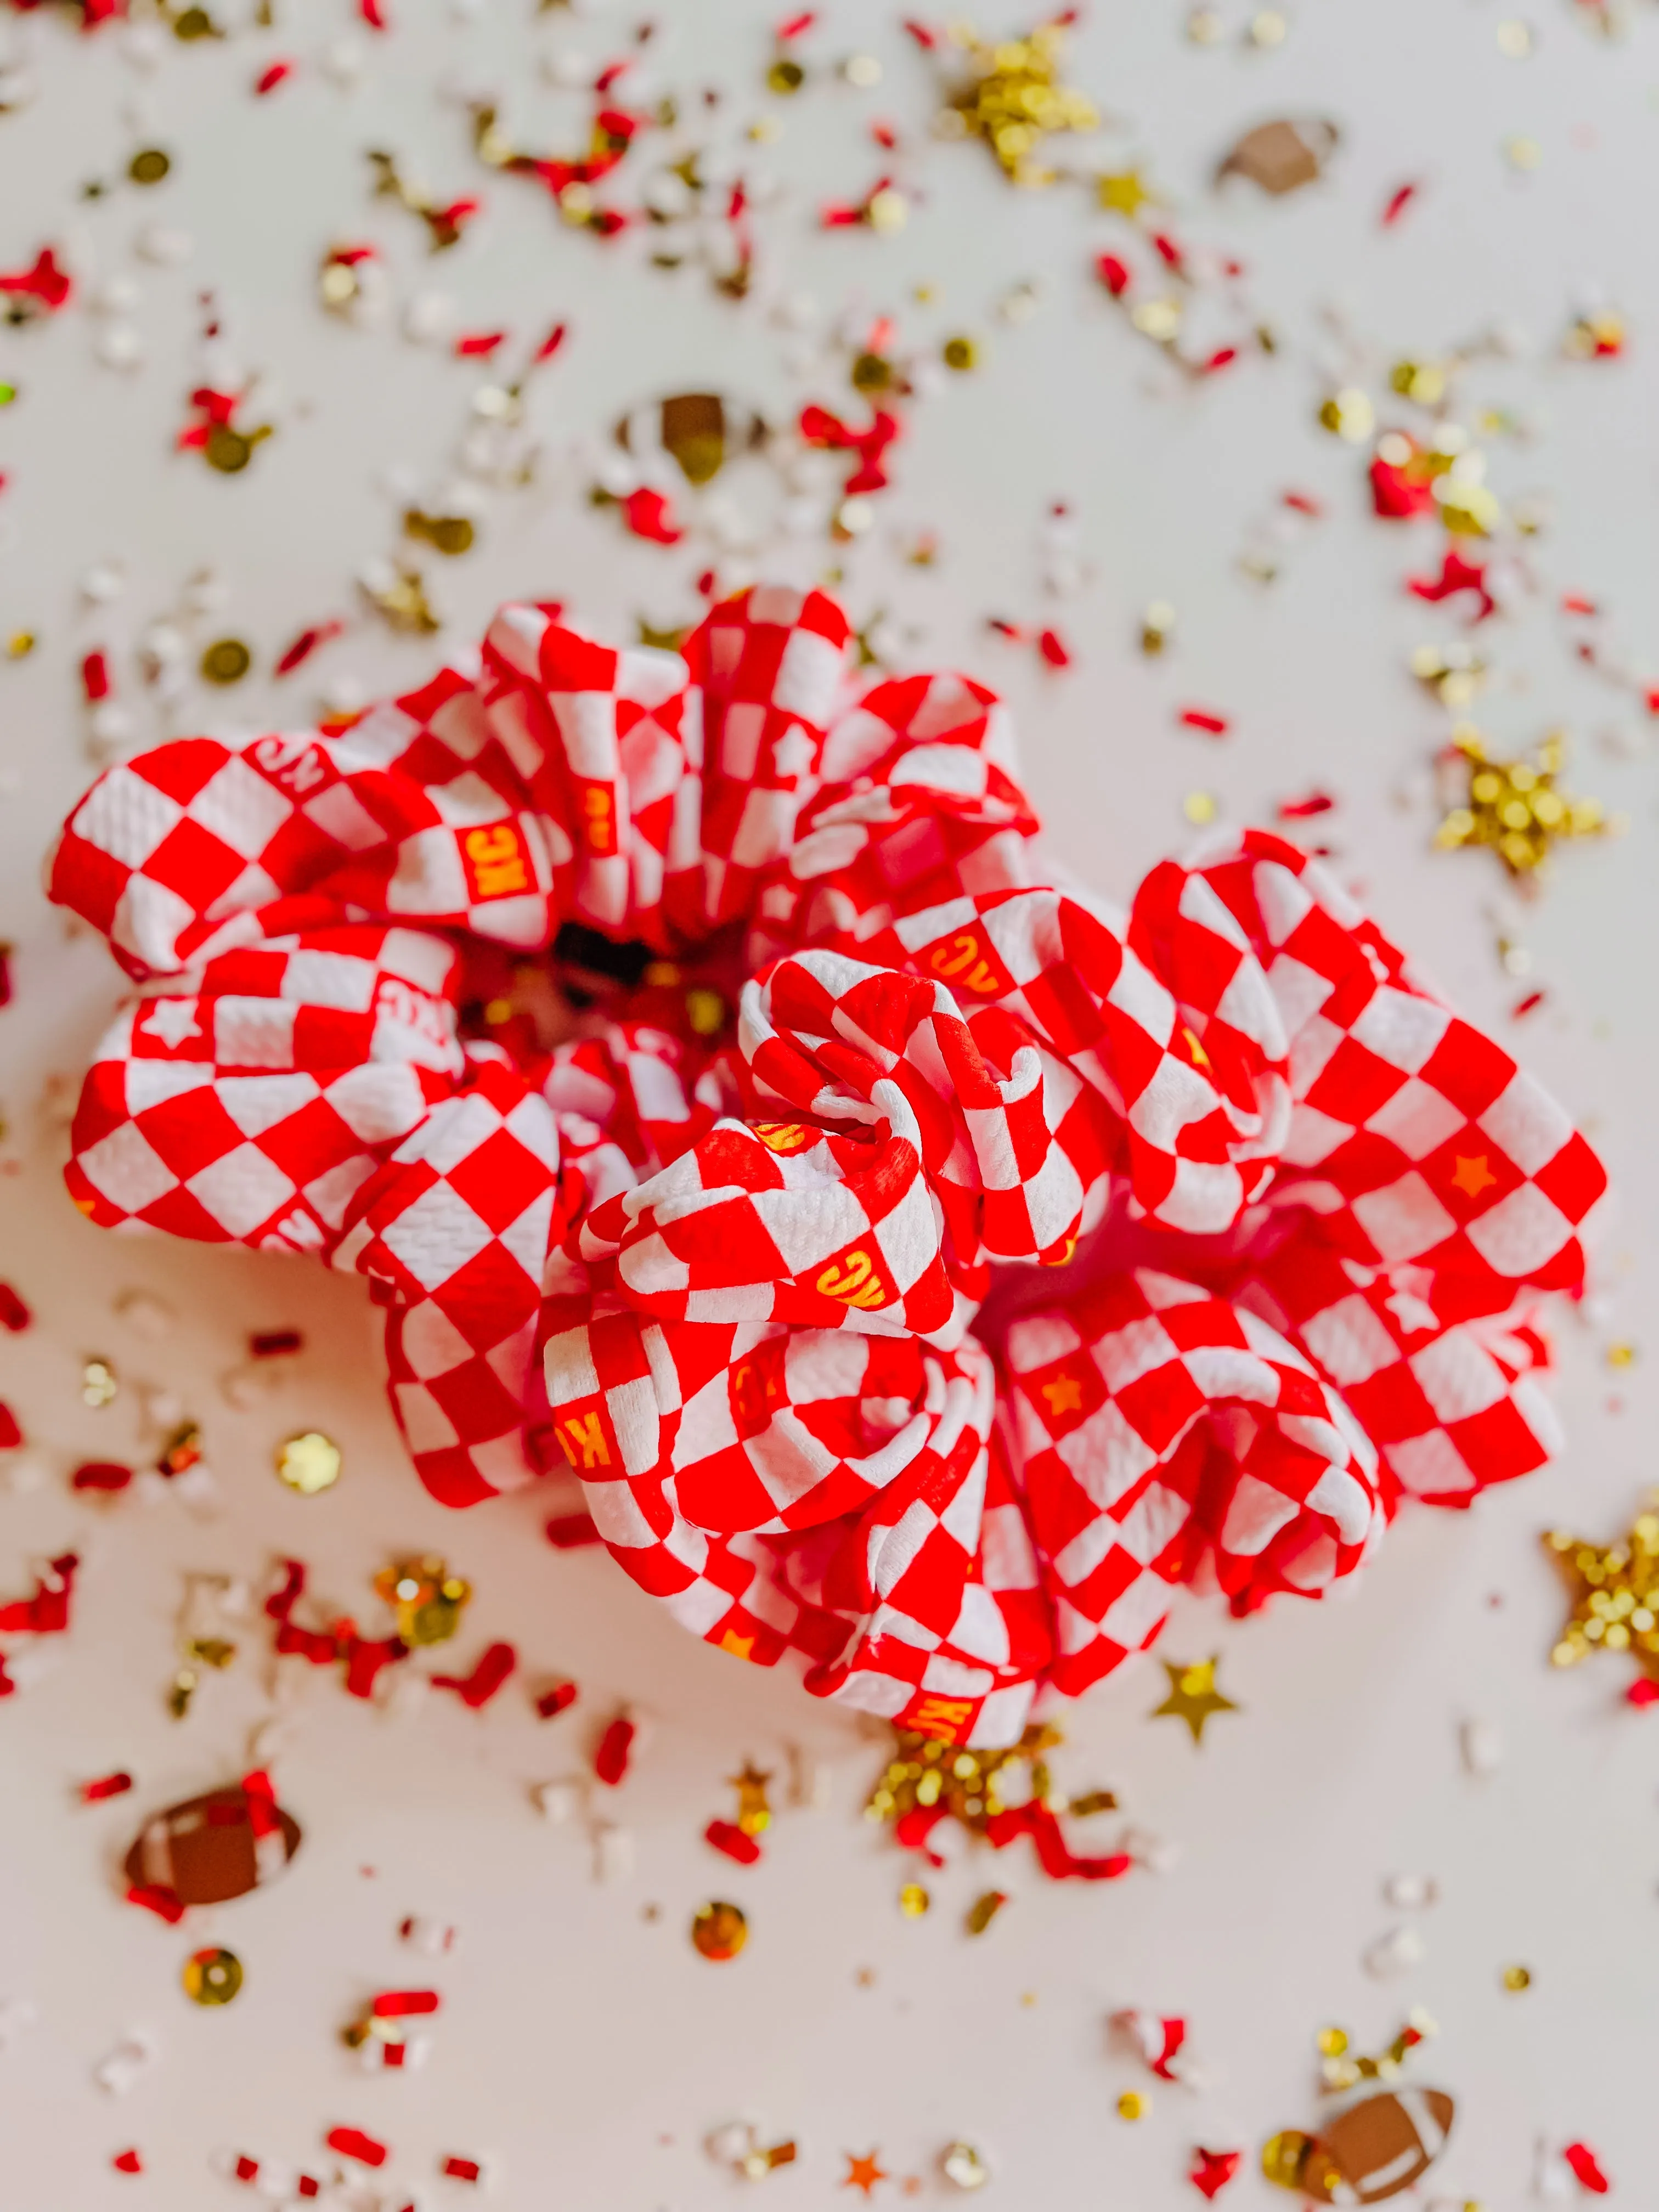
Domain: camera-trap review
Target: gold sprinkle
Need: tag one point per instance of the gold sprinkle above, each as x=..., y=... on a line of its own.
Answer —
x=1620, y=1355
x=226, y=661
x=1201, y=807
x=149, y=166
x=960, y=353
x=984, y=1909
x=1133, y=2105
x=785, y=75
x=914, y=1901
x=1516, y=1978
x=309, y=1463
x=20, y=644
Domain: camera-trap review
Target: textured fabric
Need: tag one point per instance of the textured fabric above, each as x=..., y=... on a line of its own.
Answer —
x=924, y=1268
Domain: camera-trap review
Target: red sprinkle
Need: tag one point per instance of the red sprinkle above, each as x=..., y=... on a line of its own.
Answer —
x=551, y=344
x=571, y=1532
x=1644, y=1691
x=1586, y=2169
x=94, y=676
x=10, y=1434
x=1300, y=810
x=461, y=2169
x=475, y=345
x=1200, y=717
x=13, y=1314
x=1113, y=273
x=1053, y=647
x=727, y=1836
x=1524, y=1006
x=478, y=1687
x=352, y=2142
x=100, y=1475
x=1398, y=203
x=556, y=1700
x=615, y=1749
x=278, y=73
x=127, y=2161
x=400, y=2004
x=372, y=13
x=107, y=1785
x=271, y=1343
x=306, y=644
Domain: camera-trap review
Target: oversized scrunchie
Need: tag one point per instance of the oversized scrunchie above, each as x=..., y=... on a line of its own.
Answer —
x=924, y=1268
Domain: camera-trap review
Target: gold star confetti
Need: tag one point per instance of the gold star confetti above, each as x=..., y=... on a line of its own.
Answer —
x=1125, y=191
x=1014, y=99
x=1515, y=807
x=1192, y=1695
x=428, y=1600
x=1615, y=1596
x=754, y=1813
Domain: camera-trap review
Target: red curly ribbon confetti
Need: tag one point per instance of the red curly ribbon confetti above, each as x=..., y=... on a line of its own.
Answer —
x=1586, y=2168
x=478, y=1687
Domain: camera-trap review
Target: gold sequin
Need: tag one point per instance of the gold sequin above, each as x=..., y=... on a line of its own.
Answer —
x=212, y=1976
x=309, y=1462
x=720, y=1930
x=226, y=661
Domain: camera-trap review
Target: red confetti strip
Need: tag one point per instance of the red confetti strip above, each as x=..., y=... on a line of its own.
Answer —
x=1303, y=502
x=796, y=27
x=1223, y=358
x=100, y=1476
x=551, y=344
x=461, y=2169
x=402, y=2004
x=556, y=1700
x=727, y=1836
x=1642, y=1691
x=127, y=2161
x=1303, y=810
x=306, y=644
x=10, y=1434
x=373, y=14
x=1053, y=649
x=154, y=1898
x=95, y=678
x=107, y=1785
x=1398, y=203
x=650, y=514
x=1525, y=1006
x=1201, y=718
x=1586, y=2168
x=478, y=1687
x=352, y=2142
x=5, y=975
x=268, y=81
x=272, y=1343
x=1573, y=603
x=1212, y=2170
x=13, y=1314
x=615, y=1749
x=926, y=39
x=1456, y=575
x=572, y=1532
x=478, y=345
x=1055, y=1855
x=366, y=1658
x=1114, y=274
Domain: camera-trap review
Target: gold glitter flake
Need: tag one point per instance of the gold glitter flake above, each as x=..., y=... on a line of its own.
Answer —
x=720, y=1930
x=428, y=1600
x=149, y=166
x=226, y=661
x=754, y=1811
x=212, y=1976
x=984, y=1909
x=448, y=534
x=309, y=1463
x=926, y=1771
x=1514, y=806
x=1194, y=1697
x=1014, y=99
x=1615, y=1596
x=1516, y=1978
x=914, y=1901
x=404, y=603
x=1133, y=2105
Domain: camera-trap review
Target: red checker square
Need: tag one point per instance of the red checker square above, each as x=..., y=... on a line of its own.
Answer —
x=618, y=1351
x=1574, y=1179
x=1354, y=1084
x=1100, y=1589
x=476, y=1401
x=1468, y=1068
x=311, y=1142
x=499, y=1178
x=182, y=768
x=1060, y=1508
x=192, y=861
x=488, y=1298
x=298, y=853
x=329, y=1037
x=1496, y=1444
x=1160, y=1404
x=189, y=1132
x=1392, y=1405
x=90, y=880
x=181, y=1213
x=722, y=1493
x=1469, y=1174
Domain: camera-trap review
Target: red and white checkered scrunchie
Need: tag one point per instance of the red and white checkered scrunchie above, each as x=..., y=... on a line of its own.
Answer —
x=984, y=1264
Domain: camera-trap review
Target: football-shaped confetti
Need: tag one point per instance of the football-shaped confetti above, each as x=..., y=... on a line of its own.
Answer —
x=212, y=1848
x=1379, y=2146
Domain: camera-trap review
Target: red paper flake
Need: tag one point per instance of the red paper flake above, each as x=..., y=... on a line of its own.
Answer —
x=478, y=1687
x=615, y=1750
x=926, y=38
x=94, y=676
x=478, y=345
x=1223, y=357
x=306, y=644
x=1303, y=502
x=1202, y=717
x=650, y=514
x=1053, y=649
x=1212, y=2170
x=10, y=1434
x=1586, y=2168
x=1055, y=1855
x=1456, y=575
x=819, y=426
x=1642, y=1691
x=352, y=2142
x=1526, y=1005
x=460, y=2169
x=551, y=344
x=1168, y=251
x=268, y=79
x=154, y=1898
x=727, y=1836
x=1399, y=201
x=404, y=2004
x=1574, y=603
x=1303, y=809
x=45, y=283
x=373, y=14
x=1397, y=493
x=572, y=1532
x=127, y=2161
x=107, y=1785
x=796, y=28
x=273, y=1343
x=559, y=1698
x=13, y=1314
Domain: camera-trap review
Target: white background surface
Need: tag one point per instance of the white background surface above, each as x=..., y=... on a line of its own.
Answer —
x=584, y=2047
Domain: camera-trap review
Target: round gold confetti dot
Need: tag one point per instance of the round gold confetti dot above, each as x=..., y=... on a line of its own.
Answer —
x=309, y=1462
x=720, y=1930
x=212, y=1976
x=149, y=166
x=192, y=23
x=1333, y=2042
x=960, y=353
x=20, y=644
x=871, y=372
x=226, y=661
x=914, y=1901
x=1517, y=1978
x=1199, y=807
x=1133, y=2105
x=227, y=450
x=785, y=75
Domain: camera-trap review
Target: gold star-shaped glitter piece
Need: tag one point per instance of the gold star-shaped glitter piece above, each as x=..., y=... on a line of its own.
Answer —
x=754, y=1811
x=1514, y=806
x=1124, y=191
x=1192, y=1695
x=1014, y=99
x=1615, y=1596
